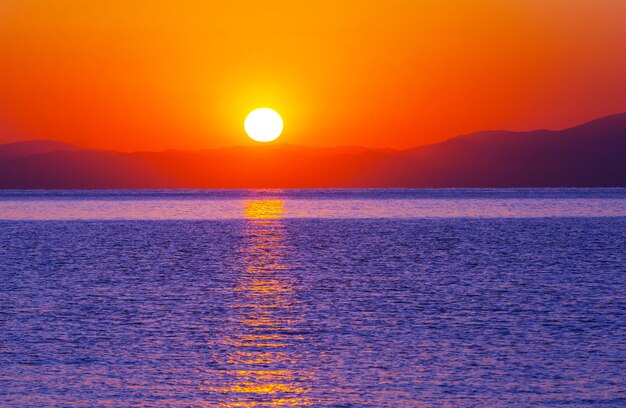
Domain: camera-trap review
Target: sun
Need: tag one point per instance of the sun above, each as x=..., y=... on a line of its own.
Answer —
x=263, y=125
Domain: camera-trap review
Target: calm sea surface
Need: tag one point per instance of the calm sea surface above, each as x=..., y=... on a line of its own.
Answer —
x=346, y=298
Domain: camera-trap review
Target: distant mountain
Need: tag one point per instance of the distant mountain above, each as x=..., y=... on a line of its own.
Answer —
x=20, y=149
x=590, y=155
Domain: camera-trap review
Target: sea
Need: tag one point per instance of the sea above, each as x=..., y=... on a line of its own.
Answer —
x=323, y=298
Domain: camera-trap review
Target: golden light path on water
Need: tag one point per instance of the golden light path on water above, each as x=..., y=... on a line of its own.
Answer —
x=258, y=367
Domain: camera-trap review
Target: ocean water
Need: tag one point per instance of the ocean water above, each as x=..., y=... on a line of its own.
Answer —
x=338, y=298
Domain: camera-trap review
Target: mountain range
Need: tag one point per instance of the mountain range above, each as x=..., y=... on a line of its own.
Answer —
x=589, y=155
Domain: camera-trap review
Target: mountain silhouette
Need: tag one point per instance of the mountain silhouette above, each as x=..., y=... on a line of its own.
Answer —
x=590, y=155
x=32, y=147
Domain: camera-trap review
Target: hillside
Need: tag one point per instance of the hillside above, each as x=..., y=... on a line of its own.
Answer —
x=590, y=155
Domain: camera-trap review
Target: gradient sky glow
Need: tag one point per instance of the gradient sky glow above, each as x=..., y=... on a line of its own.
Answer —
x=147, y=75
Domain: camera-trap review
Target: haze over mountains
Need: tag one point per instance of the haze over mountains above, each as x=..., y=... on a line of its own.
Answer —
x=590, y=155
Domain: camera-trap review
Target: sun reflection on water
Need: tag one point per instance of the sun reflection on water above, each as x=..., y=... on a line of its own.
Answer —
x=258, y=356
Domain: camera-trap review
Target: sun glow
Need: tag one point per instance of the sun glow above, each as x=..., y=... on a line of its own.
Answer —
x=263, y=125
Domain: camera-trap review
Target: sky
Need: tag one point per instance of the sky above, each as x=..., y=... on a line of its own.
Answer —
x=152, y=75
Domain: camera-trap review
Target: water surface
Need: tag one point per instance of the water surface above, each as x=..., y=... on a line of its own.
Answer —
x=326, y=203
x=304, y=298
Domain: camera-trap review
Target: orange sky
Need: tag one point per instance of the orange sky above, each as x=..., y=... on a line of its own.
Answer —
x=149, y=75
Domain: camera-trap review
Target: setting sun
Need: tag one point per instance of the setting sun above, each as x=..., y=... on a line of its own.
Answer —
x=263, y=125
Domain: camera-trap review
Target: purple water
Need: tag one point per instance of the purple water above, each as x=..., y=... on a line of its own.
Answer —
x=292, y=298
